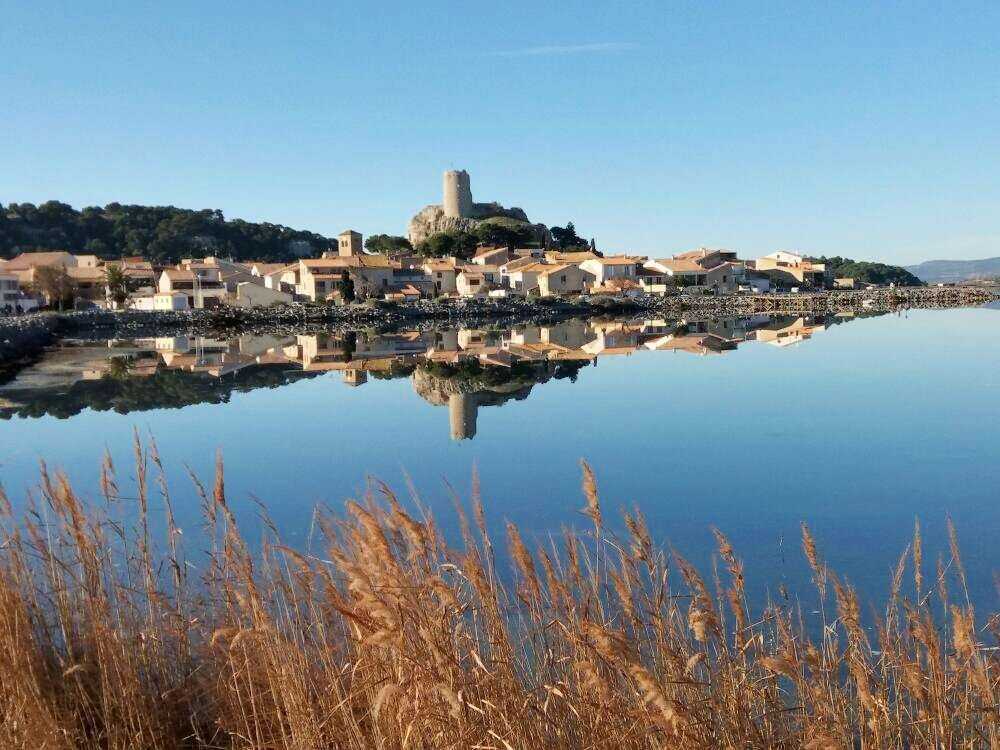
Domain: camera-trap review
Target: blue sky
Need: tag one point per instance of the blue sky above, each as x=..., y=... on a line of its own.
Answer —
x=863, y=129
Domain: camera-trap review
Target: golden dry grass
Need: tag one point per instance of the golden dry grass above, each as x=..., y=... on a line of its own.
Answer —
x=390, y=638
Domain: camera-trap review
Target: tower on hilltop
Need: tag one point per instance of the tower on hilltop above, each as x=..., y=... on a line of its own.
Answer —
x=457, y=198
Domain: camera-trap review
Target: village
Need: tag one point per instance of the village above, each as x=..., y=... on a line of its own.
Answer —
x=350, y=274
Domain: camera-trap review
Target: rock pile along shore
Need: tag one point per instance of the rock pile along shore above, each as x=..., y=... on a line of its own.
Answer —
x=22, y=336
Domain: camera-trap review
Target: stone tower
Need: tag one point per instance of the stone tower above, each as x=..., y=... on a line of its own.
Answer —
x=457, y=201
x=349, y=243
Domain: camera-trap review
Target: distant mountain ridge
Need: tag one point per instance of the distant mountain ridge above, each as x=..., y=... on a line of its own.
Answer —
x=950, y=271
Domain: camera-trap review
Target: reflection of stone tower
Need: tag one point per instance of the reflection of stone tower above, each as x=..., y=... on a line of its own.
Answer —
x=457, y=201
x=462, y=411
x=355, y=377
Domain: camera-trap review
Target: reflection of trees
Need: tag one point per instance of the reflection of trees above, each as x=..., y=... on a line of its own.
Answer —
x=520, y=372
x=166, y=389
x=119, y=368
x=396, y=370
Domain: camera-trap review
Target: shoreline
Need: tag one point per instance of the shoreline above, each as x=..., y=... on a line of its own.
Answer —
x=24, y=337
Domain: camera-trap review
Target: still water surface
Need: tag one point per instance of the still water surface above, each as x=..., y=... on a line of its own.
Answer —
x=855, y=426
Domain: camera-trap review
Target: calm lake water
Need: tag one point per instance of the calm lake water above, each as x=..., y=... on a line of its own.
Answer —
x=857, y=426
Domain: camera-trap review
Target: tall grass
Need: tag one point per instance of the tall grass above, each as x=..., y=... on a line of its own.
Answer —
x=391, y=638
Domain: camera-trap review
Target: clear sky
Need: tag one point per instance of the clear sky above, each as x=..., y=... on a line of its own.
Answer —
x=863, y=129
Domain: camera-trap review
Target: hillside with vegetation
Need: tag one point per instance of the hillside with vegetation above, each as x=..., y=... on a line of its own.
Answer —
x=867, y=271
x=498, y=232
x=956, y=271
x=161, y=233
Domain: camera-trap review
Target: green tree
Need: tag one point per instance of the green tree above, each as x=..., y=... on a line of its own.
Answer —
x=346, y=285
x=505, y=232
x=868, y=272
x=387, y=244
x=55, y=285
x=118, y=283
x=441, y=244
x=566, y=238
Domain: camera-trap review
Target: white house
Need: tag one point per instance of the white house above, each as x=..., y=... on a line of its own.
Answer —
x=203, y=287
x=160, y=302
x=615, y=267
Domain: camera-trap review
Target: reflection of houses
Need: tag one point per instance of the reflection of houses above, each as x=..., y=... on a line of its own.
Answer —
x=782, y=332
x=201, y=354
x=613, y=337
x=563, y=341
x=463, y=369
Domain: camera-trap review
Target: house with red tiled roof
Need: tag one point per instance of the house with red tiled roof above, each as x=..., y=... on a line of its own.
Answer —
x=319, y=278
x=697, y=271
x=613, y=267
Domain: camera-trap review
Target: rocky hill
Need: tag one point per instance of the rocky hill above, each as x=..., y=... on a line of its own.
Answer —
x=432, y=219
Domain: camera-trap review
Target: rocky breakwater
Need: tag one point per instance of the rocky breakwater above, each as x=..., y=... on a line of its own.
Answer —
x=22, y=337
x=833, y=301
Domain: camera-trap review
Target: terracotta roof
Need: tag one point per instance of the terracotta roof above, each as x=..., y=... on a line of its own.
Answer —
x=176, y=274
x=264, y=269
x=85, y=274
x=30, y=260
x=619, y=260
x=520, y=263
x=556, y=267
x=350, y=261
x=679, y=265
x=489, y=251
x=701, y=252
x=440, y=264
x=291, y=268
x=572, y=257
x=533, y=267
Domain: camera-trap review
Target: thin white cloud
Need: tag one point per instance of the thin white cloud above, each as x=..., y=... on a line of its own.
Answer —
x=568, y=49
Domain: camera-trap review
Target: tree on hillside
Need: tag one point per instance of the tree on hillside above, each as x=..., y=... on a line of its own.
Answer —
x=566, y=238
x=441, y=244
x=505, y=232
x=118, y=283
x=868, y=272
x=161, y=233
x=387, y=244
x=55, y=285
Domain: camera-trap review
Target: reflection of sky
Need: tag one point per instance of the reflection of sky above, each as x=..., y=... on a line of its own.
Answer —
x=858, y=431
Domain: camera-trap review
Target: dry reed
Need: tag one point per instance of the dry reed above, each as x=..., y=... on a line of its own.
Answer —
x=390, y=638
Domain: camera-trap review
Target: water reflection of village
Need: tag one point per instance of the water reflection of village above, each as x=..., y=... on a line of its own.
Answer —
x=463, y=369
